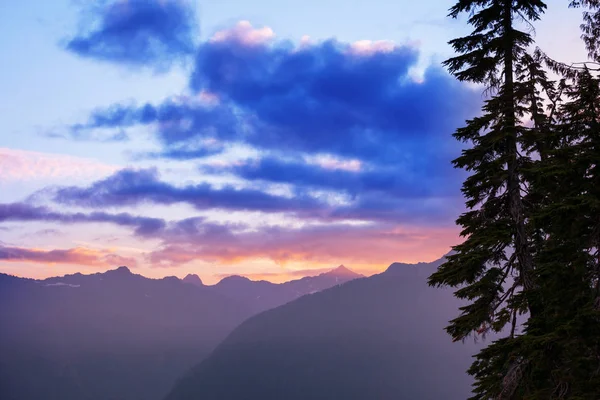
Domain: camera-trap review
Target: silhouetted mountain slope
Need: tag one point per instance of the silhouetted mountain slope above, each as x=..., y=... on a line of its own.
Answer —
x=114, y=335
x=264, y=295
x=374, y=338
x=193, y=279
x=118, y=335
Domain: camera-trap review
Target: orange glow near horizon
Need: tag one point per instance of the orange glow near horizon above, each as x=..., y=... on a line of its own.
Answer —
x=257, y=270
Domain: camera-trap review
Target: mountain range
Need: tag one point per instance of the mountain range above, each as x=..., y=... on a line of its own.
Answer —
x=119, y=335
x=380, y=337
x=264, y=295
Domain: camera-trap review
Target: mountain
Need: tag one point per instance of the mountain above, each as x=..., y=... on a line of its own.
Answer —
x=263, y=295
x=113, y=335
x=193, y=279
x=373, y=338
x=119, y=335
x=343, y=272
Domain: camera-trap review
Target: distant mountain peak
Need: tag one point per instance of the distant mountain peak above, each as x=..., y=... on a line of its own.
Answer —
x=193, y=279
x=235, y=278
x=123, y=270
x=119, y=272
x=422, y=269
x=343, y=271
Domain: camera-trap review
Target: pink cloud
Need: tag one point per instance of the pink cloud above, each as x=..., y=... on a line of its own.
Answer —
x=369, y=47
x=18, y=165
x=244, y=33
x=78, y=255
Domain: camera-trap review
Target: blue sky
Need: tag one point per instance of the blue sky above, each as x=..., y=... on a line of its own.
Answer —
x=232, y=136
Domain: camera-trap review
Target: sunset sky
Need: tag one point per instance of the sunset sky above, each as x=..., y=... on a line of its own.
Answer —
x=272, y=139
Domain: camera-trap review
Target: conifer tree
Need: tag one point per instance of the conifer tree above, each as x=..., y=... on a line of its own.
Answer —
x=590, y=27
x=493, y=268
x=564, y=340
x=533, y=223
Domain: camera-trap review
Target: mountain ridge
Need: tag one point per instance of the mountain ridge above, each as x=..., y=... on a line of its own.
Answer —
x=119, y=334
x=380, y=337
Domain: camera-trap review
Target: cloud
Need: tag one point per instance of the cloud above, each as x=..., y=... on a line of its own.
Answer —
x=344, y=128
x=344, y=118
x=195, y=238
x=333, y=243
x=45, y=233
x=129, y=187
x=351, y=100
x=153, y=33
x=405, y=179
x=77, y=133
x=143, y=226
x=21, y=165
x=243, y=32
x=133, y=187
x=173, y=121
x=78, y=255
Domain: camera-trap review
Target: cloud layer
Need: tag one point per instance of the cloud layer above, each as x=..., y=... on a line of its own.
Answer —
x=348, y=100
x=341, y=139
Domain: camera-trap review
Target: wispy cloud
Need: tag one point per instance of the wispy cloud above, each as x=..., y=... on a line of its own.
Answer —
x=142, y=226
x=21, y=165
x=80, y=256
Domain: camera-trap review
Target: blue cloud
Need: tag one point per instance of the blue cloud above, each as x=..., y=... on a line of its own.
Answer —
x=143, y=226
x=321, y=98
x=326, y=98
x=134, y=187
x=359, y=103
x=137, y=33
x=174, y=121
x=405, y=179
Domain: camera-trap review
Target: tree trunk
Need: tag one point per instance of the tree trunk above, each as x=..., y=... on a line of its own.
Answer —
x=521, y=243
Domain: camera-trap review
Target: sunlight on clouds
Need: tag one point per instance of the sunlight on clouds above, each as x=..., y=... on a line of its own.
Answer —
x=276, y=158
x=243, y=32
x=370, y=47
x=330, y=162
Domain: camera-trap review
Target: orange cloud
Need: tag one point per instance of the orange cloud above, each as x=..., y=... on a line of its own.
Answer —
x=349, y=245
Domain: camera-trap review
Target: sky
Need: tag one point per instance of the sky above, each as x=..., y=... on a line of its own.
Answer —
x=262, y=138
